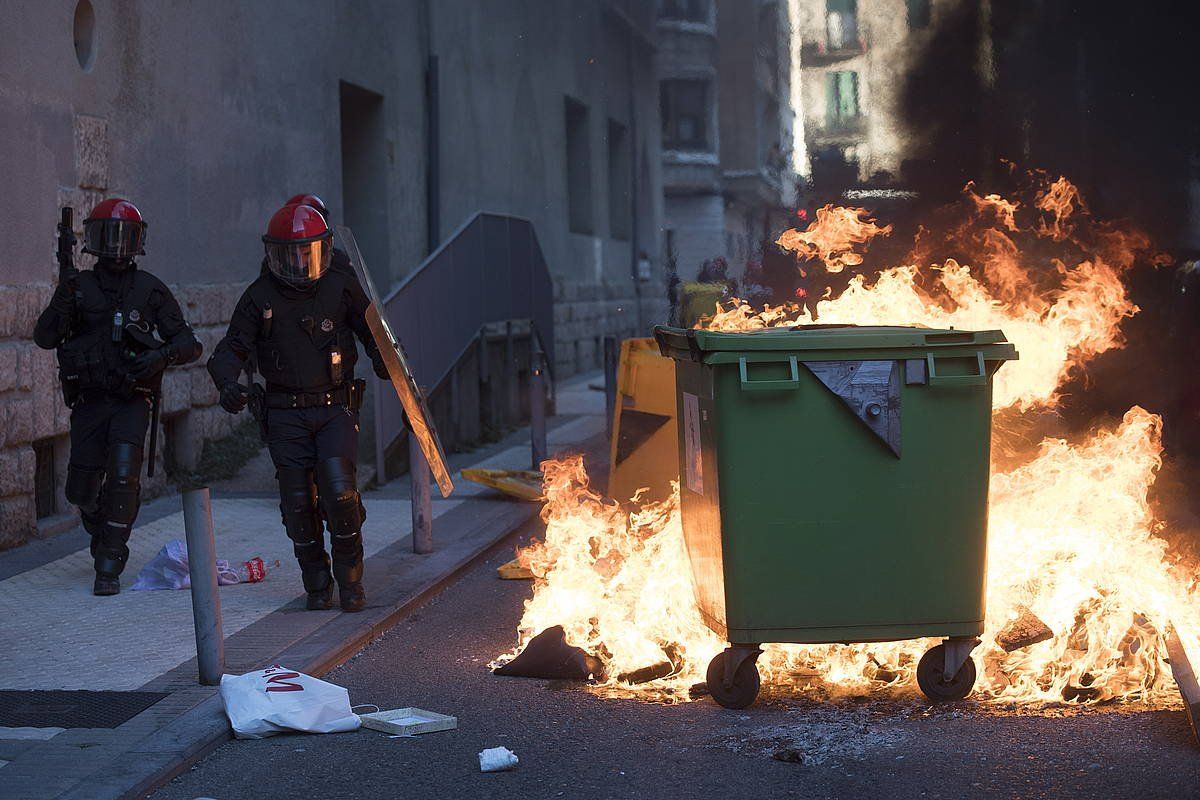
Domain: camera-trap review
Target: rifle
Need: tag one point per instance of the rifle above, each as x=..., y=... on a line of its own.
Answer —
x=66, y=249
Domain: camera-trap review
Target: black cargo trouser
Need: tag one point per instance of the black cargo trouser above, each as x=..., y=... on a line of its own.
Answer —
x=104, y=473
x=315, y=451
x=301, y=438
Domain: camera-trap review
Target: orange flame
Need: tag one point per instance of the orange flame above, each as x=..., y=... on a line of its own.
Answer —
x=833, y=235
x=1072, y=541
x=1060, y=201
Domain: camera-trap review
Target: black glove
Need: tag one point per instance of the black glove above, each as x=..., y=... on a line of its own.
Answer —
x=380, y=367
x=233, y=397
x=148, y=364
x=63, y=299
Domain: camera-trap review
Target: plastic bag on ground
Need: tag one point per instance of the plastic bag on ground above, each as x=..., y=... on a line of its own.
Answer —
x=277, y=699
x=169, y=570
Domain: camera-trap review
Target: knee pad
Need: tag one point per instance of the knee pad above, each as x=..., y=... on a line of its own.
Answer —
x=298, y=506
x=122, y=486
x=83, y=488
x=338, y=493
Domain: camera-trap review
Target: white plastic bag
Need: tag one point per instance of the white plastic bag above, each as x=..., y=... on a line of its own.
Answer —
x=169, y=570
x=277, y=699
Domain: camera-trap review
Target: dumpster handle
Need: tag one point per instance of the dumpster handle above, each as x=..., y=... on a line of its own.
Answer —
x=767, y=386
x=978, y=379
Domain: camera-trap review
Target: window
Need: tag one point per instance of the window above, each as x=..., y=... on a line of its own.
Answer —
x=918, y=14
x=841, y=24
x=579, y=167
x=685, y=10
x=85, y=35
x=619, y=199
x=685, y=114
x=841, y=97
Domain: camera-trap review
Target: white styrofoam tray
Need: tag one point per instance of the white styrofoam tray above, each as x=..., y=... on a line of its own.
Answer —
x=408, y=721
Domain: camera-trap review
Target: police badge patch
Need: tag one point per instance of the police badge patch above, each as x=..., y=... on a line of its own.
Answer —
x=327, y=325
x=135, y=315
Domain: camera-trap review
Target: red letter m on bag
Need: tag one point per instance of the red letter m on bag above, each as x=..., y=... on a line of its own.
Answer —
x=279, y=682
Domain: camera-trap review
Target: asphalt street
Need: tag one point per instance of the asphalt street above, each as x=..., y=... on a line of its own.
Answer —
x=574, y=744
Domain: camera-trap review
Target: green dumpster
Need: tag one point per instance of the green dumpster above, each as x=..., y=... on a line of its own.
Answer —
x=833, y=484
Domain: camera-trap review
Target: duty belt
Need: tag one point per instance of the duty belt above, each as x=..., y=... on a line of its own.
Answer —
x=348, y=394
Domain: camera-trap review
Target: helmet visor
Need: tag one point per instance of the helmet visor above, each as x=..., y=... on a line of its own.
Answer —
x=114, y=238
x=299, y=263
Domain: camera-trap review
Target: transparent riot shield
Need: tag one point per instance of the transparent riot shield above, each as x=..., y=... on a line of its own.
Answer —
x=401, y=376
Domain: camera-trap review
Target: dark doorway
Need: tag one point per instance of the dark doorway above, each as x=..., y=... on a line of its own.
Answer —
x=364, y=181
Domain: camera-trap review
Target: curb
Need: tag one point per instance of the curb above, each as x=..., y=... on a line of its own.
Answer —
x=172, y=749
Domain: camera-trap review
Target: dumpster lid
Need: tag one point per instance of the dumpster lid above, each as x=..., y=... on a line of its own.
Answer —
x=823, y=337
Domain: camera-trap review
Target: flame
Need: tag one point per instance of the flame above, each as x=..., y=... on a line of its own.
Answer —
x=1073, y=541
x=1079, y=320
x=833, y=235
x=1060, y=201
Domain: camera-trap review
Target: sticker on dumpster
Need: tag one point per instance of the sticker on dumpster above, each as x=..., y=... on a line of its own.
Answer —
x=694, y=468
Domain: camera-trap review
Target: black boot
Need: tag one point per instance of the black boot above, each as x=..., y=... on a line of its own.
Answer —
x=106, y=585
x=108, y=572
x=318, y=582
x=351, y=594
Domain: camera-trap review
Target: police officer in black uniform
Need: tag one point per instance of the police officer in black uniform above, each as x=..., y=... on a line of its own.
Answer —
x=297, y=323
x=116, y=328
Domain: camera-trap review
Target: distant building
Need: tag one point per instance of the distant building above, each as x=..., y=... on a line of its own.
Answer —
x=855, y=57
x=406, y=117
x=725, y=98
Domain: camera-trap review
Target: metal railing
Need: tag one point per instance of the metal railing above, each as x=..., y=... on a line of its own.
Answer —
x=489, y=270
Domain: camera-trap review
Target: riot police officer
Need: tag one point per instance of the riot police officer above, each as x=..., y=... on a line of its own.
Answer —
x=298, y=324
x=116, y=328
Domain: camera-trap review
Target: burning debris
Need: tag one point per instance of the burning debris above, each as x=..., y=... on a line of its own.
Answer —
x=1025, y=630
x=549, y=656
x=1075, y=565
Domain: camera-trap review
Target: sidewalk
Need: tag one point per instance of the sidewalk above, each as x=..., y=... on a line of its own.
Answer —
x=138, y=648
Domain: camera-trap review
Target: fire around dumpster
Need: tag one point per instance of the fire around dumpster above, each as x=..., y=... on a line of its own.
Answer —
x=1082, y=588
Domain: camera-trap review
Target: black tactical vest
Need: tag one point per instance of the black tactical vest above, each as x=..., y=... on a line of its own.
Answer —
x=107, y=333
x=304, y=342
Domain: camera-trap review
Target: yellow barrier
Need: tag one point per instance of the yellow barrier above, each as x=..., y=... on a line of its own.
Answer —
x=521, y=484
x=644, y=449
x=698, y=300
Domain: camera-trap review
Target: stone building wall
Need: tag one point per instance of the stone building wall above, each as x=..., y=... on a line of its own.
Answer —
x=197, y=114
x=584, y=314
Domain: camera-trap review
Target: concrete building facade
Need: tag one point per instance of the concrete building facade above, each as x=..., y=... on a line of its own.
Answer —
x=406, y=117
x=856, y=61
x=725, y=94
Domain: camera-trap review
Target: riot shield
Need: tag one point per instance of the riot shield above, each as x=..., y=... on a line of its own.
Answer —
x=406, y=387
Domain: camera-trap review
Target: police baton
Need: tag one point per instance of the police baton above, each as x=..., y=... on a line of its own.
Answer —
x=154, y=408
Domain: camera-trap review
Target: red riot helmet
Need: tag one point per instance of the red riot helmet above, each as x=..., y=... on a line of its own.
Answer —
x=115, y=230
x=299, y=245
x=310, y=200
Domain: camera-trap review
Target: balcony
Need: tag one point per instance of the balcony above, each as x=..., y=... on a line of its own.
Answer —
x=819, y=54
x=840, y=131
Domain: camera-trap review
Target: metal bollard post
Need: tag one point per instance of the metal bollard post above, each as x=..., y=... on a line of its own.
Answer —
x=537, y=403
x=610, y=381
x=422, y=504
x=512, y=410
x=206, y=603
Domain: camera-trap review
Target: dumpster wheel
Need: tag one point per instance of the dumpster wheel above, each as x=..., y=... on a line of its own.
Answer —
x=743, y=688
x=931, y=676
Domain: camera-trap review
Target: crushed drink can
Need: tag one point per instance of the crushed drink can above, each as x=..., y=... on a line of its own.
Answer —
x=253, y=571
